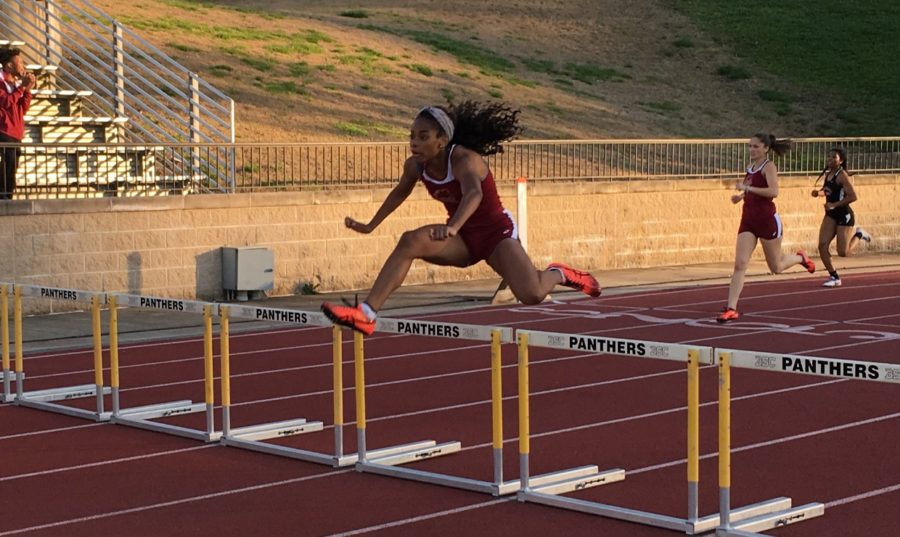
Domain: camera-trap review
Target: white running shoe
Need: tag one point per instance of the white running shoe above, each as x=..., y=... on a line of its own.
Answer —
x=832, y=282
x=862, y=235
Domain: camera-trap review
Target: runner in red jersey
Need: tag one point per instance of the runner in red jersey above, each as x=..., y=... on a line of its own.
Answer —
x=760, y=220
x=447, y=146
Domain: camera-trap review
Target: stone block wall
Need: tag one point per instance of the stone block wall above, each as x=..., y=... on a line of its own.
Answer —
x=172, y=246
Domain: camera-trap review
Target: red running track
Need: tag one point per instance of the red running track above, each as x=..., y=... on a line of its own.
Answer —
x=811, y=438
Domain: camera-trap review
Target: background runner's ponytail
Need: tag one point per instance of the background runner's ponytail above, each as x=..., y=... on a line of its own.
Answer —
x=481, y=127
x=780, y=147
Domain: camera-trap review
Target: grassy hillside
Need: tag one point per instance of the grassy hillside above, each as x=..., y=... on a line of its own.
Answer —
x=844, y=54
x=326, y=70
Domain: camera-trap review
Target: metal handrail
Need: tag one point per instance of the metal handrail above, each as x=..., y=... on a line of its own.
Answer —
x=62, y=170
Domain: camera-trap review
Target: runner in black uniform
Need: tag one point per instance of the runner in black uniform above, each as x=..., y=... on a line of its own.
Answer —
x=839, y=220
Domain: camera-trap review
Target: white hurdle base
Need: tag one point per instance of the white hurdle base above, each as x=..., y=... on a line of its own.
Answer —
x=63, y=409
x=43, y=400
x=160, y=410
x=64, y=394
x=336, y=461
x=562, y=481
x=777, y=519
x=738, y=516
x=277, y=429
x=405, y=453
x=140, y=417
x=744, y=521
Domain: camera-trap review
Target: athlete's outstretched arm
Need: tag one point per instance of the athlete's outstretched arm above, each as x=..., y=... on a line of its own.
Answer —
x=394, y=199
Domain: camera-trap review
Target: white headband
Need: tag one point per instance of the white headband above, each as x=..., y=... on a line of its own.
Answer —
x=442, y=118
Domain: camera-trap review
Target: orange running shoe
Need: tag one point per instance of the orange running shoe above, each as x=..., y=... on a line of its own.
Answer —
x=349, y=316
x=728, y=314
x=578, y=279
x=806, y=261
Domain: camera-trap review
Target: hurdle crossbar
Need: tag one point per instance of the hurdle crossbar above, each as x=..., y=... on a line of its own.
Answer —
x=548, y=494
x=251, y=437
x=142, y=416
x=386, y=461
x=785, y=363
x=45, y=399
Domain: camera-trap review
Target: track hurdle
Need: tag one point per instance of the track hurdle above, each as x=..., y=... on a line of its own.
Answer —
x=47, y=399
x=142, y=416
x=786, y=363
x=386, y=461
x=4, y=343
x=692, y=356
x=251, y=437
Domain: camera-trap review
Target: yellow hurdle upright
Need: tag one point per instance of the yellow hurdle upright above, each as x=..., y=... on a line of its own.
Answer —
x=388, y=460
x=549, y=493
x=254, y=436
x=52, y=399
x=4, y=341
x=148, y=416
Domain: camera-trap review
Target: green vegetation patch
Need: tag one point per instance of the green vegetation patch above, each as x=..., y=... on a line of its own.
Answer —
x=540, y=65
x=683, y=42
x=355, y=14
x=733, y=72
x=464, y=52
x=187, y=5
x=183, y=48
x=421, y=69
x=220, y=70
x=843, y=54
x=299, y=69
x=781, y=101
x=662, y=107
x=259, y=64
x=367, y=128
x=590, y=73
x=284, y=87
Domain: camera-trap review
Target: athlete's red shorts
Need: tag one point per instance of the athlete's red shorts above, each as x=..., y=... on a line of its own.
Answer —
x=481, y=241
x=766, y=228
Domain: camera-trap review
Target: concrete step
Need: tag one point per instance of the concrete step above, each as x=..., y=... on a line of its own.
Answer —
x=74, y=120
x=51, y=93
x=63, y=168
x=38, y=68
x=63, y=130
x=55, y=106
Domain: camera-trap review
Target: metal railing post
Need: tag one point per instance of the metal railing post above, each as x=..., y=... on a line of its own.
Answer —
x=119, y=66
x=194, y=125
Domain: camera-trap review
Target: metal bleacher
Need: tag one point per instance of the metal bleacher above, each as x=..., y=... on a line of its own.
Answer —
x=107, y=106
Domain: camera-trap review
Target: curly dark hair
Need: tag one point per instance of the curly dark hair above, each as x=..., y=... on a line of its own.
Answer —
x=7, y=53
x=481, y=126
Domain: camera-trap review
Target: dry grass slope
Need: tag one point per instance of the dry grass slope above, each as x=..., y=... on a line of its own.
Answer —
x=326, y=70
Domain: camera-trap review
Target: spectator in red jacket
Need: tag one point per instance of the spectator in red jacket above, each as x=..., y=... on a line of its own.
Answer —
x=15, y=98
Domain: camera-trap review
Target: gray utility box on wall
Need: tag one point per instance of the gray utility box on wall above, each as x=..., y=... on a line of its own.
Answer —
x=247, y=272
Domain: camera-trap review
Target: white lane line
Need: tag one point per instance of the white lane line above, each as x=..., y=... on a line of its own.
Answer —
x=48, y=431
x=828, y=505
x=103, y=463
x=422, y=518
x=775, y=441
x=833, y=503
x=171, y=503
x=863, y=496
